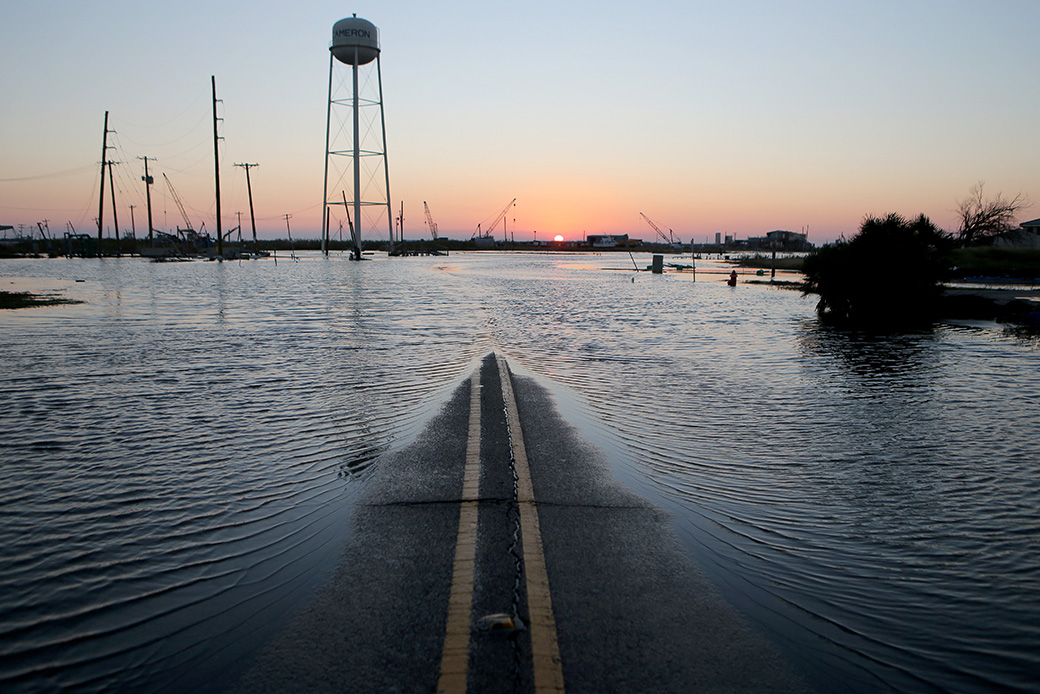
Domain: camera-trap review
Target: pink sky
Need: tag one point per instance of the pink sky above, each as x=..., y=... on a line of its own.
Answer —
x=737, y=120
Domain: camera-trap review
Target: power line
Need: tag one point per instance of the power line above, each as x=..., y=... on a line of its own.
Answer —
x=53, y=174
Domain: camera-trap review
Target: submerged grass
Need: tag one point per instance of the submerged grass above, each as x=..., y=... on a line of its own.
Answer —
x=766, y=262
x=996, y=262
x=27, y=299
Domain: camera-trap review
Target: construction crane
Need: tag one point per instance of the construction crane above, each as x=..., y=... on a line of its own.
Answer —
x=669, y=239
x=491, y=227
x=180, y=206
x=429, y=221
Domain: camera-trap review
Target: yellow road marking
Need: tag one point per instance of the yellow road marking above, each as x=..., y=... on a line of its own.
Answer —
x=545, y=651
x=548, y=671
x=455, y=657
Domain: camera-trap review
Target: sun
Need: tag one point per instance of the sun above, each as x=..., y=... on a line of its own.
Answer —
x=558, y=238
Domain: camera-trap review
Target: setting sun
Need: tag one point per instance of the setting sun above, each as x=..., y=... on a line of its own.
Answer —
x=558, y=238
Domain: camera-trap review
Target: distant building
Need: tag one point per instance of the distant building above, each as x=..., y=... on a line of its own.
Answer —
x=790, y=240
x=608, y=240
x=1026, y=236
x=786, y=241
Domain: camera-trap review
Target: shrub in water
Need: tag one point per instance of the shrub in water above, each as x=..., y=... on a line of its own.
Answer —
x=888, y=276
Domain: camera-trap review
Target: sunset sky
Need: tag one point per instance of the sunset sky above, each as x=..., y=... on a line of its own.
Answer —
x=738, y=117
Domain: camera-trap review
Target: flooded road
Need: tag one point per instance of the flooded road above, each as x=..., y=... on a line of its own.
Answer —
x=557, y=579
x=182, y=451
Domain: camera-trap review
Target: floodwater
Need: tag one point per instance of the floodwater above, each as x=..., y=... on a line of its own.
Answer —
x=180, y=453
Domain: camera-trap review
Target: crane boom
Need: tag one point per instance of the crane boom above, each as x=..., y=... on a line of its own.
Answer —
x=429, y=221
x=499, y=218
x=180, y=205
x=667, y=239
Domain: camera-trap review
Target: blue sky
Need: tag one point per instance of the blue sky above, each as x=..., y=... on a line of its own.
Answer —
x=736, y=117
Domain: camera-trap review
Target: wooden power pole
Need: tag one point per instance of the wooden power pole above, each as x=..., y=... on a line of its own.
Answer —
x=249, y=190
x=101, y=195
x=216, y=168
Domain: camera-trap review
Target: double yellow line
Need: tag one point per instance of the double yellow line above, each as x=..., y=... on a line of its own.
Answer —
x=455, y=657
x=548, y=674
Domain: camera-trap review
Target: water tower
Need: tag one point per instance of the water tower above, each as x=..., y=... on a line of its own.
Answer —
x=355, y=42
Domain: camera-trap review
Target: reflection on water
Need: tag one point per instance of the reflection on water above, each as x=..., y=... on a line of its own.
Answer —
x=181, y=451
x=184, y=447
x=894, y=358
x=869, y=501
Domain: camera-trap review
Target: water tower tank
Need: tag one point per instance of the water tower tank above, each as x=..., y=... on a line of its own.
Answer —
x=353, y=33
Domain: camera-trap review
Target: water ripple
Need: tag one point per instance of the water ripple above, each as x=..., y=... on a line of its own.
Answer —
x=875, y=491
x=178, y=463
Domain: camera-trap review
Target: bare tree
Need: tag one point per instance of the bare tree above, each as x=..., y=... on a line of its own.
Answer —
x=983, y=218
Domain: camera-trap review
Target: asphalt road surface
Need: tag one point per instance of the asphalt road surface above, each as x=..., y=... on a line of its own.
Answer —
x=497, y=554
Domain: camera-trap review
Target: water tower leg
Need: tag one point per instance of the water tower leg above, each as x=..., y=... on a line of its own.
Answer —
x=357, y=153
x=386, y=165
x=328, y=124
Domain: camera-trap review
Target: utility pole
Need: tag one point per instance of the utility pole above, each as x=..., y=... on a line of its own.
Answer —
x=115, y=217
x=292, y=246
x=148, y=195
x=133, y=227
x=216, y=168
x=101, y=195
x=249, y=189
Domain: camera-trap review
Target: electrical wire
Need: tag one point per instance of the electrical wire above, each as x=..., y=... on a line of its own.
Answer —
x=53, y=174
